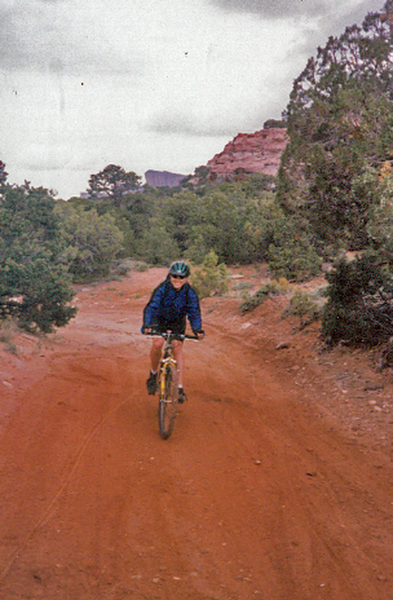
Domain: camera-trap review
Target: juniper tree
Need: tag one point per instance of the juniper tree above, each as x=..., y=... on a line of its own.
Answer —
x=340, y=125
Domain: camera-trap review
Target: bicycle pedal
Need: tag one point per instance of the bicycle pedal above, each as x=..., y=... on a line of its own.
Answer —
x=182, y=397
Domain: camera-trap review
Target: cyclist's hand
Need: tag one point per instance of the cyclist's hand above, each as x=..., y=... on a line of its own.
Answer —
x=147, y=330
x=199, y=334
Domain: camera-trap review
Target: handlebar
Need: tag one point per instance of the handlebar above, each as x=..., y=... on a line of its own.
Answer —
x=170, y=335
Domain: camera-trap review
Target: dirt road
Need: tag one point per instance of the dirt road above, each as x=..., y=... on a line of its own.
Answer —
x=259, y=493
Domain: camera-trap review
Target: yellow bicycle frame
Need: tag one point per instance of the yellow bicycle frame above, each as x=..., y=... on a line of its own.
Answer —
x=168, y=359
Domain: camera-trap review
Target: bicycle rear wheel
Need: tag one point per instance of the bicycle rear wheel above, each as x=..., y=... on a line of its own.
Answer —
x=167, y=407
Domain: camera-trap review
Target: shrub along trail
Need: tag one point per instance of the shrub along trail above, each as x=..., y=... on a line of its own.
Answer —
x=261, y=492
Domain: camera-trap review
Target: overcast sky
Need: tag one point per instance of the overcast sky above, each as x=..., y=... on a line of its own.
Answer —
x=147, y=84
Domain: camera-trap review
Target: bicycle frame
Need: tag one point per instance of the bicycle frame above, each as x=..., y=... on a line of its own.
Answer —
x=167, y=383
x=166, y=361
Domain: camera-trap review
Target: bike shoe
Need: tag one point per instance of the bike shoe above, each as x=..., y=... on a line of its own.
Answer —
x=151, y=384
x=182, y=397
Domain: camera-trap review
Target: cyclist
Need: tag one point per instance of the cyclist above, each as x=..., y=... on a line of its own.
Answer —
x=167, y=310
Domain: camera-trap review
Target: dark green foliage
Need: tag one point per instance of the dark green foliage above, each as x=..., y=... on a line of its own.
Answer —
x=157, y=247
x=92, y=242
x=45, y=299
x=199, y=181
x=34, y=284
x=137, y=210
x=234, y=221
x=380, y=226
x=181, y=212
x=3, y=174
x=291, y=254
x=231, y=219
x=360, y=302
x=275, y=123
x=340, y=124
x=239, y=221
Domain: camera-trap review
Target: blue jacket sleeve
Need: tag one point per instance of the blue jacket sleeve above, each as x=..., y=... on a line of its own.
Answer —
x=194, y=311
x=152, y=308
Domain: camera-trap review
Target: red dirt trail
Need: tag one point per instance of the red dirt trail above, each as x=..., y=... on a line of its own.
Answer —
x=261, y=492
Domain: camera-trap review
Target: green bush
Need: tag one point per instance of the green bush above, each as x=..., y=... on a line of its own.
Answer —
x=234, y=220
x=291, y=253
x=44, y=304
x=210, y=278
x=304, y=306
x=34, y=283
x=294, y=259
x=359, y=309
x=93, y=241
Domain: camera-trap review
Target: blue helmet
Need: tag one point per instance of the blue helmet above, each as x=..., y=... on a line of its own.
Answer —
x=179, y=268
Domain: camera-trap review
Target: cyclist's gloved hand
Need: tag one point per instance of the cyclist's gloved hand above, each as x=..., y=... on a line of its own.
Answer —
x=146, y=330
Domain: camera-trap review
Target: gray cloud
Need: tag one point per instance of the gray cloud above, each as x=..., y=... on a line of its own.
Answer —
x=275, y=9
x=43, y=37
x=356, y=14
x=182, y=123
x=282, y=9
x=334, y=24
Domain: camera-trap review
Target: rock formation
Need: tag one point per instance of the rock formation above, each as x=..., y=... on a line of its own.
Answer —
x=163, y=178
x=258, y=152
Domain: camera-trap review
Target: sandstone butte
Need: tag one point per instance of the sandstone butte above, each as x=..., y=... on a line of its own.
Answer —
x=258, y=152
x=163, y=178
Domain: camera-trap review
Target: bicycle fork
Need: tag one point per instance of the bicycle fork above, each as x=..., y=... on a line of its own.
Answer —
x=168, y=361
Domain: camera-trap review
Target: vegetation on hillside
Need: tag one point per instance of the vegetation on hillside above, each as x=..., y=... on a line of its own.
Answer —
x=335, y=182
x=340, y=125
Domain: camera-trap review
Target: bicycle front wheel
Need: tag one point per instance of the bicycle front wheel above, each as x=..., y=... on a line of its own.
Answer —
x=167, y=407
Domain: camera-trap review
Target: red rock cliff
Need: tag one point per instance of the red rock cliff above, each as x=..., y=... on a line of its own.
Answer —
x=258, y=152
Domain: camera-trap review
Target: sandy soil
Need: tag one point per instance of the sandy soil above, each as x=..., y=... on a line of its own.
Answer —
x=276, y=483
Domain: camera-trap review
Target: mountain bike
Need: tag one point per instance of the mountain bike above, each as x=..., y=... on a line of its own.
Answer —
x=168, y=390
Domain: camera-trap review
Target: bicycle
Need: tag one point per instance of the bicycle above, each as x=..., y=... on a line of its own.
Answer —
x=168, y=390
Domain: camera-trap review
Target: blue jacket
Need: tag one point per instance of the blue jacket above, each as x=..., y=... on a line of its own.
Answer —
x=168, y=305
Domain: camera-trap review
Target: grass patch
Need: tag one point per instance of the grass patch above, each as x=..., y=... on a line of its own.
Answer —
x=267, y=290
x=121, y=268
x=306, y=305
x=240, y=286
x=7, y=331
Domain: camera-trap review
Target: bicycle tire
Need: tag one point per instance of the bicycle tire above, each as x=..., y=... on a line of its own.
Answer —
x=168, y=402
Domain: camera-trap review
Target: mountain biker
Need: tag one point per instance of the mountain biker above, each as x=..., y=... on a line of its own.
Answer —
x=167, y=310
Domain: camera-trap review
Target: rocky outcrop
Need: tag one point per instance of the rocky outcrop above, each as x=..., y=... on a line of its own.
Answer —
x=258, y=152
x=163, y=178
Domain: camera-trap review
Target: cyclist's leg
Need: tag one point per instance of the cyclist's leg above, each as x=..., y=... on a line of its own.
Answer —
x=155, y=353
